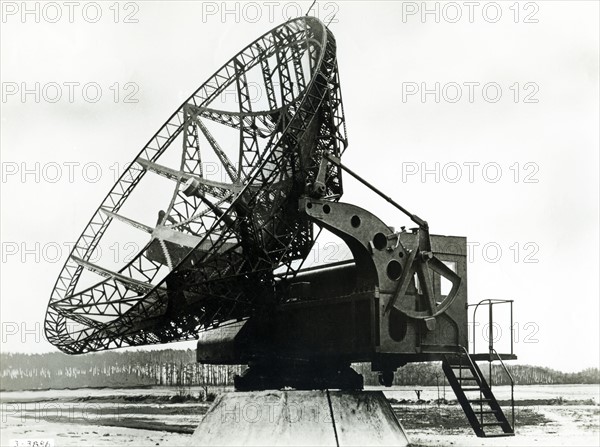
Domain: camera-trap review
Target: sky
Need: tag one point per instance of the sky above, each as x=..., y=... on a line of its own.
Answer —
x=481, y=118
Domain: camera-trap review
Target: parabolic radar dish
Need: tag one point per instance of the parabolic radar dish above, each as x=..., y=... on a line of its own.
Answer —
x=224, y=179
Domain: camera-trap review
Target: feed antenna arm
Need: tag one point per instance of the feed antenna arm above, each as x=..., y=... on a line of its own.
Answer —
x=421, y=260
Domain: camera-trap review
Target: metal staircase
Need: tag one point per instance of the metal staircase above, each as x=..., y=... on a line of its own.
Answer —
x=472, y=390
x=475, y=396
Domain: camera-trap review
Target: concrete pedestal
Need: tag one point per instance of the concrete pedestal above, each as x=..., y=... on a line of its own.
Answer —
x=310, y=418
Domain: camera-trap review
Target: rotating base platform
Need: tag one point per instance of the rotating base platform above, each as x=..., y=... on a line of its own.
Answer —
x=285, y=418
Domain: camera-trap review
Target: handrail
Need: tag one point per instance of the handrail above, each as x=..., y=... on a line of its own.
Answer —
x=490, y=302
x=512, y=380
x=473, y=369
x=512, y=386
x=466, y=351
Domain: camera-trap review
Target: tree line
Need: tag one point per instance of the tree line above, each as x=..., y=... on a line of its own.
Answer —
x=170, y=367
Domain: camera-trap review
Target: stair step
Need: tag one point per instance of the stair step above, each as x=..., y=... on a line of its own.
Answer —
x=498, y=435
x=479, y=401
x=479, y=408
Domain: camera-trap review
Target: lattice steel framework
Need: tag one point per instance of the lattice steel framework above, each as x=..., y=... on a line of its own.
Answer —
x=221, y=241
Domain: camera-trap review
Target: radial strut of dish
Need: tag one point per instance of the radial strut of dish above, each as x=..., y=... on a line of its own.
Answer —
x=210, y=256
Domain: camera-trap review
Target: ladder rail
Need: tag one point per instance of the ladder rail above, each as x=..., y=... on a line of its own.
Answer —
x=494, y=405
x=512, y=387
x=476, y=418
x=478, y=378
x=462, y=400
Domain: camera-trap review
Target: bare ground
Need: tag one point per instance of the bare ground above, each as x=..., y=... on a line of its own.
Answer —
x=546, y=425
x=151, y=421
